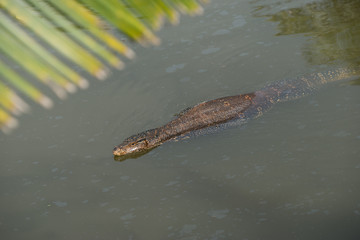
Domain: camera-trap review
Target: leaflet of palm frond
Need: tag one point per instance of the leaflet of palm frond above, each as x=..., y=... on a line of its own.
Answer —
x=7, y=123
x=116, y=13
x=85, y=18
x=170, y=12
x=31, y=62
x=80, y=36
x=56, y=39
x=35, y=65
x=24, y=86
x=37, y=49
x=147, y=11
x=11, y=101
x=188, y=7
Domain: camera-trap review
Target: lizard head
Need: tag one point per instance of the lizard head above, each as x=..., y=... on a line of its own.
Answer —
x=131, y=145
x=137, y=144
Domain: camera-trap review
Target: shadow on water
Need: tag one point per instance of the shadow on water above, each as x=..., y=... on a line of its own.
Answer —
x=332, y=25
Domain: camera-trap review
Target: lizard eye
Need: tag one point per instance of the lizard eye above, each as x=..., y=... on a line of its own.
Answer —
x=138, y=141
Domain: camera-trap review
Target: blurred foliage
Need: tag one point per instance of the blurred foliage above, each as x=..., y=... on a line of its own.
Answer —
x=48, y=38
x=333, y=28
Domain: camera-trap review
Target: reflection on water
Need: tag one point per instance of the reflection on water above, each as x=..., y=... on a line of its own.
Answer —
x=292, y=174
x=132, y=155
x=355, y=82
x=332, y=25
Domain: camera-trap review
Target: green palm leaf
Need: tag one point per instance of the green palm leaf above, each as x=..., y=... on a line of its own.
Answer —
x=77, y=31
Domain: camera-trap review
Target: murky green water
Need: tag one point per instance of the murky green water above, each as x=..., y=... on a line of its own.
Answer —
x=294, y=173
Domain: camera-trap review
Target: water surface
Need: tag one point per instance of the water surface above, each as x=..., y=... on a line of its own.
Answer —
x=294, y=173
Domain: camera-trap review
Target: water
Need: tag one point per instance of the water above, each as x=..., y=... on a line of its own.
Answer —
x=291, y=174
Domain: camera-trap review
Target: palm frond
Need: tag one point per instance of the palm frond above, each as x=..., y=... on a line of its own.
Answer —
x=47, y=38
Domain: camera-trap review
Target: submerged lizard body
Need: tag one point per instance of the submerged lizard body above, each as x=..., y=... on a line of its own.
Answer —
x=228, y=111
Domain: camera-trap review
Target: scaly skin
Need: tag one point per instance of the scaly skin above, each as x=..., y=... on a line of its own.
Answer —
x=228, y=111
